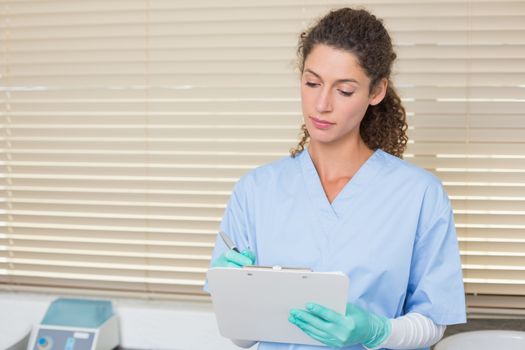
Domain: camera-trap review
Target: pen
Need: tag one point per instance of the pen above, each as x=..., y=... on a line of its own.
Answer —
x=229, y=243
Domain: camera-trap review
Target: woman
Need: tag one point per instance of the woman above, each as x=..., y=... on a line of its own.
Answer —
x=349, y=203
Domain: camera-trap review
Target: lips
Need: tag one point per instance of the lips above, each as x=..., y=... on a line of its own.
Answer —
x=321, y=124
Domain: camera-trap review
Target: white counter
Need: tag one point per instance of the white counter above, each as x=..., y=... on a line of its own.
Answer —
x=144, y=324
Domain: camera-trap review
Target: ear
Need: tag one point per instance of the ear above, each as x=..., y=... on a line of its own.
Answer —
x=379, y=92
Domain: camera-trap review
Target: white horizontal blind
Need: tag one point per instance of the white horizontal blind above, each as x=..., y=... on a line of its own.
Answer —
x=468, y=126
x=125, y=125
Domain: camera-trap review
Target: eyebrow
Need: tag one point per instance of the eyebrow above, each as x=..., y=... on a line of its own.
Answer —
x=307, y=70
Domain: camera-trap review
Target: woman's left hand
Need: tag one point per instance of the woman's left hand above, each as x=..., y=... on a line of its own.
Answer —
x=357, y=326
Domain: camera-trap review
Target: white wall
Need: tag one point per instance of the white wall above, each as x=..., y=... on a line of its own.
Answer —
x=144, y=324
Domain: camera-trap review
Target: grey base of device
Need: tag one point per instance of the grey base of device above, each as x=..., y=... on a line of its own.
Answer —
x=21, y=344
x=49, y=337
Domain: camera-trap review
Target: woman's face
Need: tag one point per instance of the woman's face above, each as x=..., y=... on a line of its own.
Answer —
x=335, y=94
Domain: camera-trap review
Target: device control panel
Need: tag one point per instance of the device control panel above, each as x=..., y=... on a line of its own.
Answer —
x=57, y=339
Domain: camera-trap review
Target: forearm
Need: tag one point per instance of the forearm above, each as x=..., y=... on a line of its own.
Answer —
x=413, y=331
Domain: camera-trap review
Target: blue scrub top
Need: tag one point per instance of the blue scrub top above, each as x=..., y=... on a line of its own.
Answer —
x=390, y=229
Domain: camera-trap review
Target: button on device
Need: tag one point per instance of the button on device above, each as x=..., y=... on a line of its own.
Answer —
x=44, y=343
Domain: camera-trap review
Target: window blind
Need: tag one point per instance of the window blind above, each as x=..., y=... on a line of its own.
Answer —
x=125, y=125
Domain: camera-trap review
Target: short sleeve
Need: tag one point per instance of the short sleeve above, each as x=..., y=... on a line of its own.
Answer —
x=435, y=287
x=235, y=223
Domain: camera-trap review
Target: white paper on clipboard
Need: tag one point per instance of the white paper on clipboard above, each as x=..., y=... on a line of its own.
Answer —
x=254, y=303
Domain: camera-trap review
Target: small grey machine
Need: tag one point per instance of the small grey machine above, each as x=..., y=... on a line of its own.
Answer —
x=77, y=324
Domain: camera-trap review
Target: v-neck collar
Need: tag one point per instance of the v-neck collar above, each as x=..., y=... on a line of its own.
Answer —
x=331, y=213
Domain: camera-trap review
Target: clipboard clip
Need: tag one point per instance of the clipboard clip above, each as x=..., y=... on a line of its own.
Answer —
x=278, y=268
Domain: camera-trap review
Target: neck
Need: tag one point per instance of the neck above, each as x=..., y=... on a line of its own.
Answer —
x=339, y=160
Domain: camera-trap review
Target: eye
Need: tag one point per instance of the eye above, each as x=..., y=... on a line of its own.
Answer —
x=311, y=84
x=345, y=93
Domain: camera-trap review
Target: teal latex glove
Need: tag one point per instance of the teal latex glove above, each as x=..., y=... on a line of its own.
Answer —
x=231, y=258
x=357, y=326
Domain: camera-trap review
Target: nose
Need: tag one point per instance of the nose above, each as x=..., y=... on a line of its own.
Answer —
x=323, y=103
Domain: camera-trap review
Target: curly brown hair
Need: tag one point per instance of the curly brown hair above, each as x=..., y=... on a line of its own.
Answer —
x=359, y=32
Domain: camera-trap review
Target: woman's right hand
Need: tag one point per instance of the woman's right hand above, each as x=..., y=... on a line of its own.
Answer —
x=231, y=258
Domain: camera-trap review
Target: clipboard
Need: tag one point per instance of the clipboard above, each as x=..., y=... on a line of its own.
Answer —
x=254, y=303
